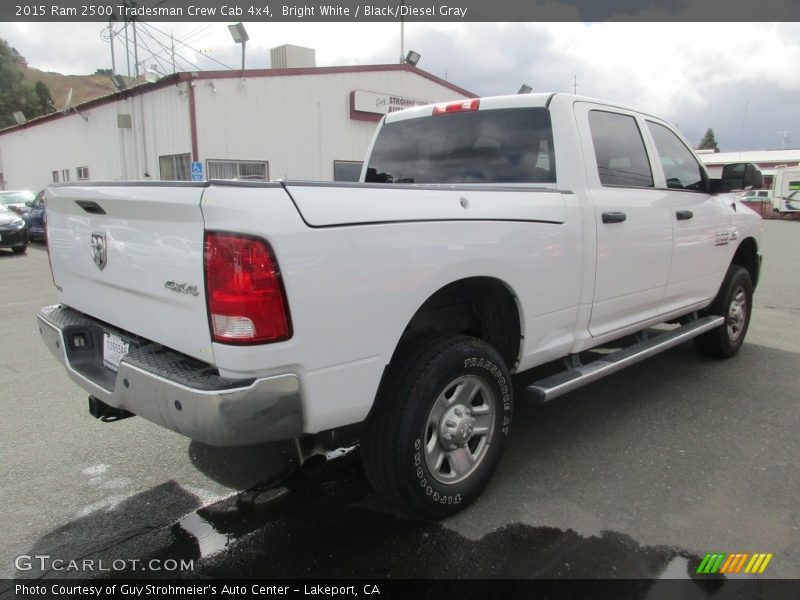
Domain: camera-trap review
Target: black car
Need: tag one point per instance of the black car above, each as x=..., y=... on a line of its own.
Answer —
x=36, y=217
x=13, y=231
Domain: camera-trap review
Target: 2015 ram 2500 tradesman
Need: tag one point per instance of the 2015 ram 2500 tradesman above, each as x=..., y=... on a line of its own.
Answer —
x=487, y=237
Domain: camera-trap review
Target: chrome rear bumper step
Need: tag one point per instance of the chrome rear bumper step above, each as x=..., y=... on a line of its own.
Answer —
x=557, y=385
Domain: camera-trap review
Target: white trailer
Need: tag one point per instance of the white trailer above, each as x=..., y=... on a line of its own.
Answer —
x=786, y=189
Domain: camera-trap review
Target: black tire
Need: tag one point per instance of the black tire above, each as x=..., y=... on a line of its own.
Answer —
x=456, y=386
x=734, y=302
x=20, y=249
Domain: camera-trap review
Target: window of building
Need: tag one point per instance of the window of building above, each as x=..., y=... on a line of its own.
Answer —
x=238, y=169
x=175, y=167
x=346, y=170
x=83, y=173
x=56, y=178
x=619, y=150
x=681, y=169
x=65, y=175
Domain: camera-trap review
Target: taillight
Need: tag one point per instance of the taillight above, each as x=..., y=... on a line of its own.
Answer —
x=246, y=300
x=454, y=107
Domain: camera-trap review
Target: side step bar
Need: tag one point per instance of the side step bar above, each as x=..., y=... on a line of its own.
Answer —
x=557, y=385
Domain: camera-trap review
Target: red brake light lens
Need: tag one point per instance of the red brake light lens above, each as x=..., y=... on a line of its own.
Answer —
x=246, y=300
x=454, y=107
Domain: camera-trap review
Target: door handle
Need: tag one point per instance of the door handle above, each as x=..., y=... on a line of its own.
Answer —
x=614, y=217
x=684, y=215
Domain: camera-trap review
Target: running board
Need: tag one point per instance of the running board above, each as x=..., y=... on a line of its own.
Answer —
x=566, y=381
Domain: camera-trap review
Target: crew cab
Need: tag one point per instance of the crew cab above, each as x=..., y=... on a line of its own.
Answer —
x=486, y=237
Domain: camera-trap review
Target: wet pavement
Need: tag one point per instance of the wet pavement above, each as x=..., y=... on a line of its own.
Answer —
x=636, y=476
x=330, y=525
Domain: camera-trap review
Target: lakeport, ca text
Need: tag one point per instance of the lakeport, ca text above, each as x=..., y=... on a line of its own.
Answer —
x=142, y=590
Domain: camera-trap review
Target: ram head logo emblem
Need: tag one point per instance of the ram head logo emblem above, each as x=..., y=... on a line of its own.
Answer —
x=99, y=250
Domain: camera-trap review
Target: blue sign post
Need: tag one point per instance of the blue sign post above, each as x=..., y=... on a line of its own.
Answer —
x=197, y=171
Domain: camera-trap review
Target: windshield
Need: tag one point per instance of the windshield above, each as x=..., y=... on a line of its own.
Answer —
x=512, y=145
x=16, y=197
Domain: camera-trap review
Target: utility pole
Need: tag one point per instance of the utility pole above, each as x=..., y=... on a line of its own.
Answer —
x=744, y=120
x=172, y=46
x=127, y=47
x=402, y=37
x=575, y=84
x=135, y=52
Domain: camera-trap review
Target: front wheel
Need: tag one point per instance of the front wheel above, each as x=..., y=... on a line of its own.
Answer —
x=19, y=249
x=735, y=303
x=439, y=425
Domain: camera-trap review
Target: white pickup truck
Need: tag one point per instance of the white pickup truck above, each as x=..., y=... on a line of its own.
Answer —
x=487, y=237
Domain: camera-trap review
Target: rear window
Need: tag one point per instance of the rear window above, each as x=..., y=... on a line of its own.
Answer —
x=512, y=145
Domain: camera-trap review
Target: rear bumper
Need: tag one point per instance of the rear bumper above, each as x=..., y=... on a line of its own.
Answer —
x=173, y=390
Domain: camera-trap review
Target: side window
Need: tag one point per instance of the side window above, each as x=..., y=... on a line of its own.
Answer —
x=619, y=150
x=681, y=169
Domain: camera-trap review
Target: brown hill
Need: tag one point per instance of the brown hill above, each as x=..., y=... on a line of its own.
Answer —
x=84, y=87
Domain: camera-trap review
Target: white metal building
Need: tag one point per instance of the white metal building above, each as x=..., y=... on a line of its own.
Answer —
x=294, y=123
x=767, y=160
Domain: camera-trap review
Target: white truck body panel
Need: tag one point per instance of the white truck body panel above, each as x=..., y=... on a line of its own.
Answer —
x=153, y=234
x=359, y=260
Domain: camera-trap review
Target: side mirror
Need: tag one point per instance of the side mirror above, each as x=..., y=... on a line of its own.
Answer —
x=740, y=176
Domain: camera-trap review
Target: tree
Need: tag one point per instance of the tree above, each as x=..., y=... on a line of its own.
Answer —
x=709, y=142
x=17, y=94
x=46, y=103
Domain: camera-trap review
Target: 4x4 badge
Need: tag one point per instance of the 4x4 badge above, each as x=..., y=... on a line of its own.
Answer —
x=99, y=250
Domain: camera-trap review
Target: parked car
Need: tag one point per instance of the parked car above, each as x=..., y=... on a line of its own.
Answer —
x=36, y=217
x=17, y=200
x=756, y=196
x=13, y=231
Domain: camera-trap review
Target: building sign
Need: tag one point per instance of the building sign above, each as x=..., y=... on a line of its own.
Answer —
x=383, y=104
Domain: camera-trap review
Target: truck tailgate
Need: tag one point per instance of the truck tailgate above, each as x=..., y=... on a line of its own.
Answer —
x=132, y=256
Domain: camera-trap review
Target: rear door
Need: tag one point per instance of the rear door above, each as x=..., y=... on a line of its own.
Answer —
x=132, y=256
x=632, y=218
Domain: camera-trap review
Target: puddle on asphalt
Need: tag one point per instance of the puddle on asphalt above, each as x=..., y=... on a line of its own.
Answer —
x=330, y=524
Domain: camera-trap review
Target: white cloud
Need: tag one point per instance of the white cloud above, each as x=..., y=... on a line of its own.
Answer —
x=677, y=70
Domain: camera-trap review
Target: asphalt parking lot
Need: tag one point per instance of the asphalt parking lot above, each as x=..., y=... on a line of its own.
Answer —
x=638, y=475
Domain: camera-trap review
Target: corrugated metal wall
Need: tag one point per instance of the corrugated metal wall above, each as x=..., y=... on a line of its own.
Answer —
x=299, y=124
x=160, y=125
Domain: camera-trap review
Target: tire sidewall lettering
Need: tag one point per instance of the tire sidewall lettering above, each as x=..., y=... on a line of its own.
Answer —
x=494, y=375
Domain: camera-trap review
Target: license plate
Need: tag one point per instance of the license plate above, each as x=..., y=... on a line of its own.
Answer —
x=114, y=350
x=1, y=238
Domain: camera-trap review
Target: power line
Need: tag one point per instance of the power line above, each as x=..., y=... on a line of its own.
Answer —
x=169, y=50
x=191, y=48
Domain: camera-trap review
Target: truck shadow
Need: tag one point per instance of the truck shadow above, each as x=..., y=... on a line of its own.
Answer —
x=245, y=466
x=291, y=524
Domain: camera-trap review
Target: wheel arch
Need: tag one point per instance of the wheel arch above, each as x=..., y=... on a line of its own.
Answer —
x=747, y=256
x=481, y=306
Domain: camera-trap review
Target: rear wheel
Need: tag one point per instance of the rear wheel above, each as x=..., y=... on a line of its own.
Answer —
x=439, y=425
x=734, y=302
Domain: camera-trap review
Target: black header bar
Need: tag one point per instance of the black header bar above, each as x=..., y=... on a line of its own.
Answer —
x=393, y=10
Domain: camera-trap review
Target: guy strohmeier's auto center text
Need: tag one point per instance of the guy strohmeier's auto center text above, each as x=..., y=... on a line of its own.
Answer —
x=317, y=11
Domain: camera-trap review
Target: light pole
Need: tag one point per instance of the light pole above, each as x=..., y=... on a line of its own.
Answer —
x=239, y=36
